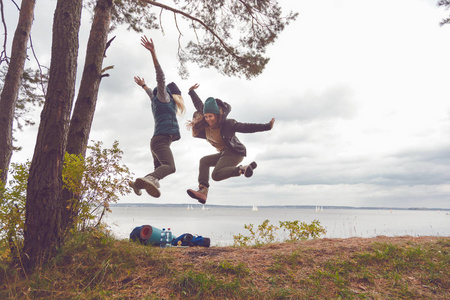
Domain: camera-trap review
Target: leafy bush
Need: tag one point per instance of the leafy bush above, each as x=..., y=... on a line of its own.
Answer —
x=98, y=180
x=266, y=233
x=302, y=231
x=12, y=210
x=102, y=179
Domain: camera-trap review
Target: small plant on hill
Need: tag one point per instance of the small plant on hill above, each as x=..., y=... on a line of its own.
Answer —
x=301, y=230
x=266, y=233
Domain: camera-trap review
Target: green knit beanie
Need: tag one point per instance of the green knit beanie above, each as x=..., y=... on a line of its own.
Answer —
x=211, y=106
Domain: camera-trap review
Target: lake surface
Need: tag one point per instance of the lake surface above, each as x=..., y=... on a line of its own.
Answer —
x=221, y=223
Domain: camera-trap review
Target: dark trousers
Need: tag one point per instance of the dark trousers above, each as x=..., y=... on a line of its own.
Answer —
x=224, y=163
x=162, y=156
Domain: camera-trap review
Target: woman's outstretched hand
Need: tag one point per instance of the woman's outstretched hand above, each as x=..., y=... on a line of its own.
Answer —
x=148, y=44
x=195, y=86
x=140, y=81
x=271, y=123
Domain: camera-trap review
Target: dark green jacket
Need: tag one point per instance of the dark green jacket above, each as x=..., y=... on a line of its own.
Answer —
x=165, y=114
x=228, y=127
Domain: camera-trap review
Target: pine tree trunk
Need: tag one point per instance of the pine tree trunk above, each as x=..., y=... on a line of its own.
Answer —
x=43, y=208
x=12, y=83
x=83, y=114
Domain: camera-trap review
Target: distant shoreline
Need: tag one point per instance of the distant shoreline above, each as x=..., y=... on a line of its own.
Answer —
x=277, y=206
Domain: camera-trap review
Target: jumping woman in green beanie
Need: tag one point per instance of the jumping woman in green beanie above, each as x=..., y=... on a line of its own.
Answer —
x=210, y=122
x=166, y=103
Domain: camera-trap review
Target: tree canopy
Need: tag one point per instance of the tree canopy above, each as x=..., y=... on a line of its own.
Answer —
x=231, y=36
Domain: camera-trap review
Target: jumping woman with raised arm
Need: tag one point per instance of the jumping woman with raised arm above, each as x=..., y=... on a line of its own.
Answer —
x=166, y=104
x=210, y=122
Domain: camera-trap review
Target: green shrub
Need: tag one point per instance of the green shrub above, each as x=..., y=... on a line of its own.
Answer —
x=98, y=180
x=12, y=210
x=266, y=233
x=102, y=180
x=301, y=230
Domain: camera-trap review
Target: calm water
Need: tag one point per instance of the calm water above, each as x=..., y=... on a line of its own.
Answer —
x=221, y=223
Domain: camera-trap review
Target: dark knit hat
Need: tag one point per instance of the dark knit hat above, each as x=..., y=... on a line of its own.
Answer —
x=211, y=106
x=173, y=88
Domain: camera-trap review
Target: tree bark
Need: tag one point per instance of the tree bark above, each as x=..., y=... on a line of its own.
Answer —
x=83, y=114
x=43, y=208
x=12, y=83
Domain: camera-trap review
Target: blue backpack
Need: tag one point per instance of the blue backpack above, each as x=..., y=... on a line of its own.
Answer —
x=188, y=240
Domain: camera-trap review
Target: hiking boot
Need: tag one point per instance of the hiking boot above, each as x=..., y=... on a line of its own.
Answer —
x=248, y=170
x=137, y=191
x=150, y=184
x=201, y=194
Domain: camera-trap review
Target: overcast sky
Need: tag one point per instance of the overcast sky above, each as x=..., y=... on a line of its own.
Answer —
x=359, y=90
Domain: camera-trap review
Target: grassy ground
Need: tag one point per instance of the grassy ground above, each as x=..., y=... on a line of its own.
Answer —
x=97, y=267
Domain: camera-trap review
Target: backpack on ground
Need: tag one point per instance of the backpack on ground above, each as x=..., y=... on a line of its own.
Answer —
x=189, y=240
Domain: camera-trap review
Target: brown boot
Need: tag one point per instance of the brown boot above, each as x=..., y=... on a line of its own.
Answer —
x=248, y=170
x=201, y=194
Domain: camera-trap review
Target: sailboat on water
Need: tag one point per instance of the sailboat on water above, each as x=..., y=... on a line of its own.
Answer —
x=255, y=208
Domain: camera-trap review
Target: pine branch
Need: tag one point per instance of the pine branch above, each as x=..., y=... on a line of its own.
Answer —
x=176, y=11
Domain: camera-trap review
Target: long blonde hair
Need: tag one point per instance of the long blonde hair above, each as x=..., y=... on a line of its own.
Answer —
x=181, y=109
x=199, y=123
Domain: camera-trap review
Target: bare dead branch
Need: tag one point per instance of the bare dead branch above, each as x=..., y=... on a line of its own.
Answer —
x=179, y=34
x=108, y=44
x=160, y=21
x=176, y=23
x=195, y=31
x=106, y=69
x=4, y=55
x=103, y=74
x=18, y=8
x=39, y=66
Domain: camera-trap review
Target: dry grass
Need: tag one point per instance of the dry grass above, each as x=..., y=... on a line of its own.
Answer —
x=98, y=267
